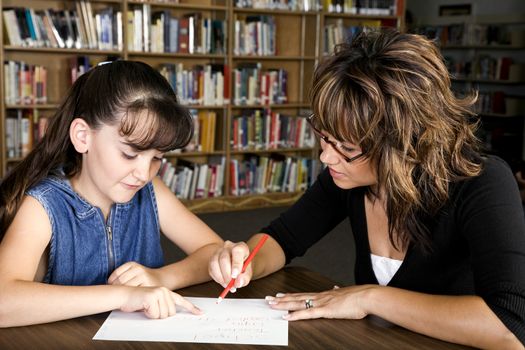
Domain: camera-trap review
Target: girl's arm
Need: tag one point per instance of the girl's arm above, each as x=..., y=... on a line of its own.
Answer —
x=25, y=301
x=190, y=234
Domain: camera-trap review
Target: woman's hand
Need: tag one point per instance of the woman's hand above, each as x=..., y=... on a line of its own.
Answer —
x=135, y=275
x=336, y=303
x=156, y=302
x=226, y=263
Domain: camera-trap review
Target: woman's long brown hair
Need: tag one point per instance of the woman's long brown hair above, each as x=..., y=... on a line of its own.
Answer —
x=117, y=92
x=390, y=93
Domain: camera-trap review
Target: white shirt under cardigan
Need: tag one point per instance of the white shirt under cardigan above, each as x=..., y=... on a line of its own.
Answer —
x=384, y=268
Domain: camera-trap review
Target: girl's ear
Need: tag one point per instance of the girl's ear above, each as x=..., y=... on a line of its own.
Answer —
x=79, y=134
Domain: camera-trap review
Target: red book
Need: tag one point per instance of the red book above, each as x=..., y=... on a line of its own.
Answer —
x=184, y=38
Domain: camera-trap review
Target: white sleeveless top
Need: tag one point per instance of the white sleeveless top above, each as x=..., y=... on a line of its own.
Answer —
x=384, y=268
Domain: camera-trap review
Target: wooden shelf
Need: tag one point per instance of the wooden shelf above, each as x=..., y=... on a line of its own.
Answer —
x=33, y=106
x=274, y=58
x=298, y=43
x=489, y=81
x=182, y=6
x=170, y=55
x=275, y=12
x=251, y=201
x=62, y=51
x=357, y=16
x=481, y=47
x=273, y=106
x=272, y=150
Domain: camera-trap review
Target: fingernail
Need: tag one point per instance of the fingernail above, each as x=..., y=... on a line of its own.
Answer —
x=240, y=282
x=235, y=273
x=272, y=302
x=287, y=316
x=269, y=297
x=233, y=290
x=279, y=295
x=336, y=287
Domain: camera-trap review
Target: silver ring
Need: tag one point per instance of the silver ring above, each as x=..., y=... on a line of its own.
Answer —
x=309, y=303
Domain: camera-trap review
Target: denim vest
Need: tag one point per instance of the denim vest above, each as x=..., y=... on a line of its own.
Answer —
x=84, y=249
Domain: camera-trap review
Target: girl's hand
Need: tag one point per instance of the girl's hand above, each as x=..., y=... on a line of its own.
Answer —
x=336, y=303
x=135, y=275
x=226, y=263
x=156, y=302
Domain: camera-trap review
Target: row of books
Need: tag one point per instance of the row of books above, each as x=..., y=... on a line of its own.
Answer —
x=23, y=128
x=79, y=28
x=484, y=67
x=266, y=129
x=292, y=5
x=499, y=103
x=161, y=31
x=253, y=86
x=204, y=125
x=362, y=7
x=200, y=85
x=24, y=83
x=257, y=175
x=255, y=35
x=464, y=34
x=192, y=180
x=338, y=32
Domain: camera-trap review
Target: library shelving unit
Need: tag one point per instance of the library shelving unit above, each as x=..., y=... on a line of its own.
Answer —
x=260, y=62
x=487, y=54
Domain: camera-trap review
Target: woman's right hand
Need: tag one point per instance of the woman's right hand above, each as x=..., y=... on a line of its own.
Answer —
x=156, y=302
x=226, y=263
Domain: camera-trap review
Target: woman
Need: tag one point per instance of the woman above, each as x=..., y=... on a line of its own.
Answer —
x=439, y=229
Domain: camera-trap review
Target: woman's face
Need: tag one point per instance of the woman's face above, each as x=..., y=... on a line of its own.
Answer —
x=346, y=175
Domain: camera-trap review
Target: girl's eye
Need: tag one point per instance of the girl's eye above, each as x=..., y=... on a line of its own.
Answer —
x=159, y=159
x=128, y=156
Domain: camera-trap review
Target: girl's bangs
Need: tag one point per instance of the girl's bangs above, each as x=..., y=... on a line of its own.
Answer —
x=146, y=130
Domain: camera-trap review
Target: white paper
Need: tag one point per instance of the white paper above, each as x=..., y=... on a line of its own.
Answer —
x=233, y=321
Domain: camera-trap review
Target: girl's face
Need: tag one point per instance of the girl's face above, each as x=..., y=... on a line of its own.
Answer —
x=346, y=175
x=113, y=170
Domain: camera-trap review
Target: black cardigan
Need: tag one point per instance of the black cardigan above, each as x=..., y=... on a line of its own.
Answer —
x=478, y=240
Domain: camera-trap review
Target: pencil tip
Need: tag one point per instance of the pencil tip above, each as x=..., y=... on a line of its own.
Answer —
x=219, y=299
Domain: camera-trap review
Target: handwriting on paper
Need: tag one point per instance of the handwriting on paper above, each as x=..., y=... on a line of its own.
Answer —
x=234, y=321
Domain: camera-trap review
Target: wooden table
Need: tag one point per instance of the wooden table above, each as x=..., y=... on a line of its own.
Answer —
x=369, y=333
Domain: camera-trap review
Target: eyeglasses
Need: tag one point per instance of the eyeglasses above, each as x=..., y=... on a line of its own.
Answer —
x=337, y=146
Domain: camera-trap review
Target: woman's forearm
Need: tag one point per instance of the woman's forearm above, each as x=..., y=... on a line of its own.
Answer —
x=459, y=319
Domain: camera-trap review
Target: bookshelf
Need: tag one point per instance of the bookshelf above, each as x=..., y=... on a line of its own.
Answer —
x=245, y=76
x=487, y=53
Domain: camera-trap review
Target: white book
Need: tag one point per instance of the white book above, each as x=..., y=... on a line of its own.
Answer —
x=91, y=22
x=202, y=181
x=146, y=24
x=187, y=183
x=194, y=179
x=137, y=35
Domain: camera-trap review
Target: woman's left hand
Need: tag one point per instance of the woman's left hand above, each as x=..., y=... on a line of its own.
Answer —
x=336, y=303
x=134, y=274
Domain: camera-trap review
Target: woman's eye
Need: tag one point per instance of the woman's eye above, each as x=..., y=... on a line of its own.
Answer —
x=128, y=156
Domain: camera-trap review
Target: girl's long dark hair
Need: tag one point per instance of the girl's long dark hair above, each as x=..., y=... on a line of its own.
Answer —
x=121, y=92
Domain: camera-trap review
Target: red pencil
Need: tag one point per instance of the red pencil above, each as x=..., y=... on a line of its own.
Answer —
x=246, y=263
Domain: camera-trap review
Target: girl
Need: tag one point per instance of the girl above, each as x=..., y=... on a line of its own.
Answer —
x=439, y=229
x=83, y=211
